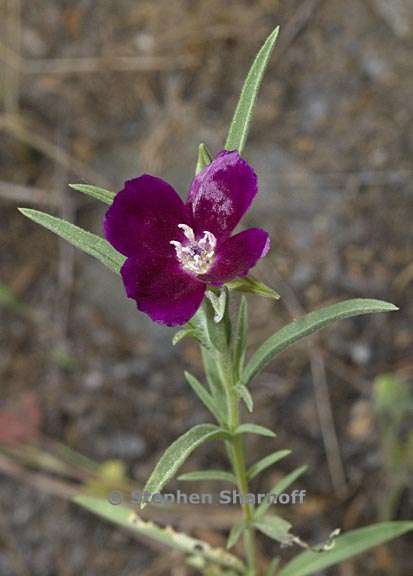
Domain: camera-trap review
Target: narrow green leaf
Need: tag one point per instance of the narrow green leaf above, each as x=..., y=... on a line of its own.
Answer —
x=204, y=158
x=255, y=429
x=240, y=337
x=250, y=285
x=346, y=546
x=235, y=534
x=203, y=395
x=218, y=303
x=213, y=377
x=278, y=489
x=95, y=192
x=245, y=395
x=209, y=333
x=272, y=568
x=307, y=325
x=238, y=131
x=123, y=516
x=202, y=475
x=266, y=462
x=176, y=454
x=86, y=241
x=275, y=528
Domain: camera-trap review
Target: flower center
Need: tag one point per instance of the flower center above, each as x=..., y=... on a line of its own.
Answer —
x=195, y=256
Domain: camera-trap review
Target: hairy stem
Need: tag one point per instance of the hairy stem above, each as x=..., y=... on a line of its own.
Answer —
x=237, y=452
x=240, y=470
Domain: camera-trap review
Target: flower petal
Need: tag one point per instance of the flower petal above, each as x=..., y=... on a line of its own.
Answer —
x=237, y=255
x=221, y=193
x=144, y=216
x=161, y=289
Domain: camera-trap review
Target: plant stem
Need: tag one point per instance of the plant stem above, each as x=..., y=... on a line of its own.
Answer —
x=241, y=475
x=220, y=334
x=237, y=454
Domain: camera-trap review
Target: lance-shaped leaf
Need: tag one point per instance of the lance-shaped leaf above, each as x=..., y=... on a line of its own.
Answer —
x=245, y=395
x=95, y=192
x=278, y=489
x=123, y=516
x=204, y=395
x=266, y=462
x=208, y=333
x=275, y=528
x=86, y=241
x=201, y=475
x=307, y=325
x=254, y=429
x=345, y=546
x=235, y=534
x=250, y=285
x=204, y=158
x=240, y=337
x=214, y=379
x=239, y=127
x=184, y=333
x=176, y=454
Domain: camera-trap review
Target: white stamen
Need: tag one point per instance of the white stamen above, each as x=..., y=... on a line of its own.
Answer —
x=178, y=247
x=208, y=241
x=187, y=230
x=195, y=256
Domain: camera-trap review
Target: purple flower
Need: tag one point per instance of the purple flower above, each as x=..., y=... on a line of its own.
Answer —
x=174, y=249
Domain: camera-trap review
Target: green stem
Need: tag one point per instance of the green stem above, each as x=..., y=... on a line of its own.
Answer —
x=220, y=335
x=240, y=470
x=237, y=453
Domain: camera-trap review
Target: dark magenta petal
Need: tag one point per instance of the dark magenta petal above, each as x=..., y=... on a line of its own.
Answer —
x=161, y=289
x=144, y=217
x=221, y=193
x=237, y=255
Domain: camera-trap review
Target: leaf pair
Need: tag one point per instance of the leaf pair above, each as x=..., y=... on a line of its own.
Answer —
x=176, y=454
x=272, y=526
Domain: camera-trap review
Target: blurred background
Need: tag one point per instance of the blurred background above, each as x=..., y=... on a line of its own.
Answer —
x=91, y=391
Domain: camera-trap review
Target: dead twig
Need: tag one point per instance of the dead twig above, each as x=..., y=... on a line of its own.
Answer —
x=14, y=465
x=21, y=131
x=297, y=24
x=394, y=14
x=109, y=64
x=37, y=480
x=26, y=195
x=12, y=58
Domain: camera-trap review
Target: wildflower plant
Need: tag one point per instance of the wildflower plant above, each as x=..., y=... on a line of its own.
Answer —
x=181, y=263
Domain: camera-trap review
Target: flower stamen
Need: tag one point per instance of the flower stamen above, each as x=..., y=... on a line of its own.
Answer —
x=188, y=232
x=196, y=255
